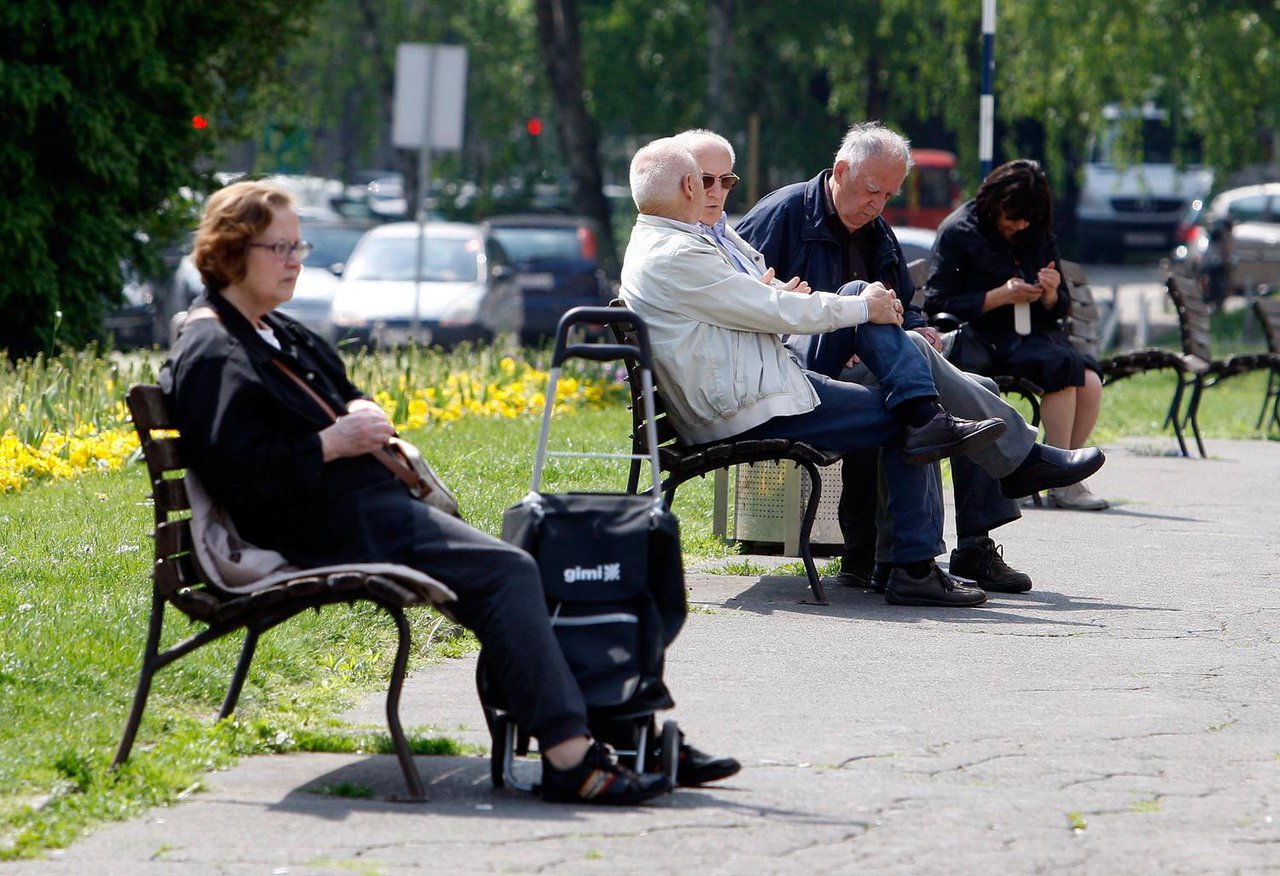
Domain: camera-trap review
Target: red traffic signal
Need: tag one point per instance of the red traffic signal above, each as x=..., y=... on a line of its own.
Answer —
x=199, y=122
x=534, y=126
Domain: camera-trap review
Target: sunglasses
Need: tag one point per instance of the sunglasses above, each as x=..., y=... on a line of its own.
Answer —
x=727, y=181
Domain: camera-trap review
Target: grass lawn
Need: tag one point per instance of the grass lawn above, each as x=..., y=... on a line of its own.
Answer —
x=74, y=558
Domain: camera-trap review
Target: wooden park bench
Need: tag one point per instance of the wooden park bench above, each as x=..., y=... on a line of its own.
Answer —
x=680, y=462
x=186, y=577
x=1201, y=370
x=1268, y=313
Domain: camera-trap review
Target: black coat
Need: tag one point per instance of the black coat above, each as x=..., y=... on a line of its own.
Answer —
x=968, y=261
x=253, y=437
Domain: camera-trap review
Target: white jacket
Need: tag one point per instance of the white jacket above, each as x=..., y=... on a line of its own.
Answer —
x=715, y=331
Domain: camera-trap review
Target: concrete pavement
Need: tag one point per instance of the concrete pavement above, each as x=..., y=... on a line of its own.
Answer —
x=1120, y=718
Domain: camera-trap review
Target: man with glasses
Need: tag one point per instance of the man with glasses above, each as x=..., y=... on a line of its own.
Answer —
x=717, y=352
x=984, y=483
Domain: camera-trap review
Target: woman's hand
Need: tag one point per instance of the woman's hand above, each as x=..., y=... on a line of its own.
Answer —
x=1015, y=290
x=364, y=430
x=1049, y=279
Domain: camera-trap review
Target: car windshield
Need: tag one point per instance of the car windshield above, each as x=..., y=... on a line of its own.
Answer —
x=331, y=245
x=533, y=244
x=393, y=258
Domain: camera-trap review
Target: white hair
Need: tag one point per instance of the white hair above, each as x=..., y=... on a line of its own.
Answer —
x=657, y=172
x=871, y=139
x=695, y=137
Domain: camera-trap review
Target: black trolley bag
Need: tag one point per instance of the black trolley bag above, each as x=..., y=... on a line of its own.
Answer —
x=614, y=581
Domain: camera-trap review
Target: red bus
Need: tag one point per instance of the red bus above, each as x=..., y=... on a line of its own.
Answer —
x=931, y=192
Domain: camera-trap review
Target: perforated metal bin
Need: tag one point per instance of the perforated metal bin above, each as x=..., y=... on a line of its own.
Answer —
x=768, y=502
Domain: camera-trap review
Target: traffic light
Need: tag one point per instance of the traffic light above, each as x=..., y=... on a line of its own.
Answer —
x=199, y=122
x=534, y=126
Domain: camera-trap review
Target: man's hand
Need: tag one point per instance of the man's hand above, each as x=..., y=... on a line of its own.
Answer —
x=364, y=430
x=883, y=304
x=932, y=335
x=795, y=284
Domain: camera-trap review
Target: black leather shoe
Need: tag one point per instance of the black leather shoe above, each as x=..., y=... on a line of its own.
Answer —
x=600, y=779
x=694, y=768
x=1054, y=468
x=946, y=435
x=984, y=564
x=935, y=588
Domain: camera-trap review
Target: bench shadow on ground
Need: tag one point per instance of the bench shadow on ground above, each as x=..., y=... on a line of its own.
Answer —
x=788, y=594
x=460, y=787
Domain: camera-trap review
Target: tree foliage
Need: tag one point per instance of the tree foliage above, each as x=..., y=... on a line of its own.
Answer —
x=98, y=100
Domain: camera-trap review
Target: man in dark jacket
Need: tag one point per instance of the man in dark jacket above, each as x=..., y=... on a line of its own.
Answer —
x=829, y=231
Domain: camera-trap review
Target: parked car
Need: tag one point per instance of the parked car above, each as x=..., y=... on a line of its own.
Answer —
x=465, y=291
x=917, y=243
x=559, y=265
x=134, y=320
x=312, y=302
x=1253, y=215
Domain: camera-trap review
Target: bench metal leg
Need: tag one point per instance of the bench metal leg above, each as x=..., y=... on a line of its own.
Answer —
x=1193, y=415
x=242, y=671
x=403, y=752
x=149, y=667
x=806, y=526
x=1174, y=417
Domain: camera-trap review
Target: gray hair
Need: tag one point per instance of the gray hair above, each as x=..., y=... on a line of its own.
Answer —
x=695, y=137
x=871, y=139
x=657, y=172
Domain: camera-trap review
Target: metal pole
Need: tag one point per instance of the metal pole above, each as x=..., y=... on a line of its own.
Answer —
x=424, y=178
x=987, y=102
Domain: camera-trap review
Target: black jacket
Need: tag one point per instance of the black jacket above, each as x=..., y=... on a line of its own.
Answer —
x=253, y=437
x=968, y=262
x=789, y=227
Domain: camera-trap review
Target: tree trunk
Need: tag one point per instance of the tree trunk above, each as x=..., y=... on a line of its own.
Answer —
x=559, y=41
x=721, y=83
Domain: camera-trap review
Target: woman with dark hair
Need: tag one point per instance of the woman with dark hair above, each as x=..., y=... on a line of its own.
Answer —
x=995, y=266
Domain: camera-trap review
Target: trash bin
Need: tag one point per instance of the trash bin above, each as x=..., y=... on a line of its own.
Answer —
x=768, y=504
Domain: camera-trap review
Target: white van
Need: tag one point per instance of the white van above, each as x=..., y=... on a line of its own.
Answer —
x=1136, y=204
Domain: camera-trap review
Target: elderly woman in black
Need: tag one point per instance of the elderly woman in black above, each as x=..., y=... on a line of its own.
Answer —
x=306, y=486
x=996, y=266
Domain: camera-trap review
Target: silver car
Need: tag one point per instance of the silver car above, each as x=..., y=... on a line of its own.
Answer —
x=1253, y=214
x=464, y=289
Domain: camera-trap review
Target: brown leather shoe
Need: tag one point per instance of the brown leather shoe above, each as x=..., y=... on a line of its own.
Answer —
x=946, y=435
x=935, y=588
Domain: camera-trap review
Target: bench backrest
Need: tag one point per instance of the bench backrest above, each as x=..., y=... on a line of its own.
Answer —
x=176, y=573
x=1268, y=313
x=1193, y=317
x=1084, y=322
x=666, y=431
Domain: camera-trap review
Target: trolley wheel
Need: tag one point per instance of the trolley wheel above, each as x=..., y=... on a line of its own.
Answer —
x=498, y=750
x=670, y=748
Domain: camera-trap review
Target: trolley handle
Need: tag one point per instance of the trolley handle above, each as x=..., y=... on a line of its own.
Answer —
x=600, y=352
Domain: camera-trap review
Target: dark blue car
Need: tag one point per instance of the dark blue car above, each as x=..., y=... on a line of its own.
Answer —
x=559, y=266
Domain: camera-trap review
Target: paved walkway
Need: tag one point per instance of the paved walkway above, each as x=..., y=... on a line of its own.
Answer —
x=1121, y=718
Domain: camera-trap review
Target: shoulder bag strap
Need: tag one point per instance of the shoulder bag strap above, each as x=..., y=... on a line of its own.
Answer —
x=393, y=463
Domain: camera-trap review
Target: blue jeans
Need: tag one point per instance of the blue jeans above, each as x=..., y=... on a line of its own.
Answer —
x=850, y=418
x=980, y=506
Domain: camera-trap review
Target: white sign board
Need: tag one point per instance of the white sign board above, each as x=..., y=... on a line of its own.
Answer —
x=431, y=93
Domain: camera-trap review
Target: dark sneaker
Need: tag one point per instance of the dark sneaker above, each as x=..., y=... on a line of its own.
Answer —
x=935, y=588
x=946, y=435
x=864, y=574
x=1053, y=468
x=695, y=767
x=983, y=563
x=600, y=779
x=855, y=572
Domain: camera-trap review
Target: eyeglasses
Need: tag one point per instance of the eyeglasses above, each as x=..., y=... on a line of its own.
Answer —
x=727, y=180
x=284, y=248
